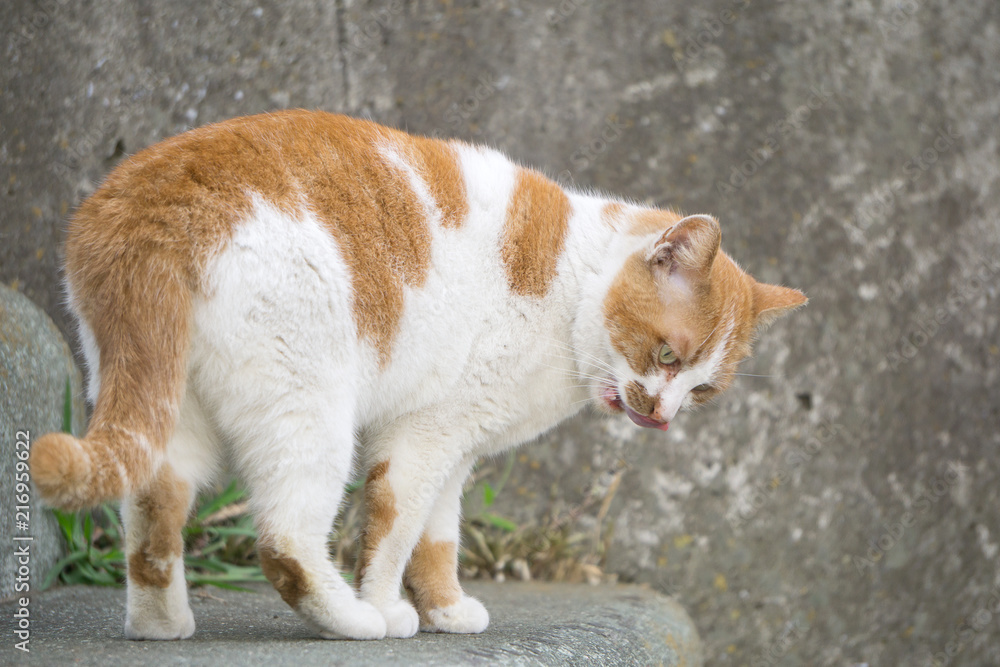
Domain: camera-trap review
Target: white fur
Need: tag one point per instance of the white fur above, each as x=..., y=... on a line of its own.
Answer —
x=467, y=616
x=676, y=393
x=155, y=613
x=91, y=352
x=281, y=384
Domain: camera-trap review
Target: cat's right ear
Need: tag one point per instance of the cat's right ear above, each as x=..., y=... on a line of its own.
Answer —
x=687, y=250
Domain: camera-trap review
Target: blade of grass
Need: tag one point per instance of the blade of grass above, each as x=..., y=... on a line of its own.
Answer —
x=227, y=531
x=230, y=495
x=67, y=420
x=500, y=522
x=61, y=565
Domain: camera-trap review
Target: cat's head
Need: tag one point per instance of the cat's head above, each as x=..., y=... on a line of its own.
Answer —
x=679, y=316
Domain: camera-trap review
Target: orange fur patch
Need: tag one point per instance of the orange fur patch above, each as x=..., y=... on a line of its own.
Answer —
x=634, y=315
x=285, y=574
x=163, y=510
x=534, y=234
x=639, y=322
x=432, y=576
x=369, y=206
x=612, y=214
x=380, y=506
x=651, y=220
x=137, y=249
x=638, y=399
x=61, y=471
x=438, y=166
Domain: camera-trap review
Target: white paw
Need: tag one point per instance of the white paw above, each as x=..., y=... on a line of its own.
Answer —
x=401, y=619
x=467, y=616
x=355, y=619
x=138, y=627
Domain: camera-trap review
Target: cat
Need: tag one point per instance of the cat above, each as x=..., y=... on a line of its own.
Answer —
x=282, y=294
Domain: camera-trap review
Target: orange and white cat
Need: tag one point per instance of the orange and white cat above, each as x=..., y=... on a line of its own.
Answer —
x=297, y=294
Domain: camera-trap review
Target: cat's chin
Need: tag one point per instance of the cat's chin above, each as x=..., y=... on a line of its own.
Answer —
x=612, y=400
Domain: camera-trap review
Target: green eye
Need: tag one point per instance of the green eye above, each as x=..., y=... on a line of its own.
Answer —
x=702, y=388
x=667, y=355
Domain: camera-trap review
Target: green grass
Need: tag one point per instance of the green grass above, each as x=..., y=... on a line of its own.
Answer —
x=219, y=540
x=552, y=549
x=218, y=545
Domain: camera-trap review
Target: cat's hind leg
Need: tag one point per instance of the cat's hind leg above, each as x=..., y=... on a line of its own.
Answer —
x=295, y=458
x=279, y=358
x=432, y=574
x=156, y=598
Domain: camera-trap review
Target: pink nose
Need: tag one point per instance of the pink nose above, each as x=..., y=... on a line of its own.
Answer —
x=656, y=419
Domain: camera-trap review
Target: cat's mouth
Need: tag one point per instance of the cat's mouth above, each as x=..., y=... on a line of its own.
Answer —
x=613, y=400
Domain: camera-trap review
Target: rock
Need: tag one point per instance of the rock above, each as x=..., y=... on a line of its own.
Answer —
x=35, y=365
x=530, y=624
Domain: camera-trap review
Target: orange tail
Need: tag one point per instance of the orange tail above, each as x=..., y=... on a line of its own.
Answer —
x=138, y=306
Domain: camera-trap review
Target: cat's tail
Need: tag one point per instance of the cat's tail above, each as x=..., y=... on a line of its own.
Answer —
x=138, y=309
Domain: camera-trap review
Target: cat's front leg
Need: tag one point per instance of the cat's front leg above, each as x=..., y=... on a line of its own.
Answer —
x=432, y=574
x=400, y=494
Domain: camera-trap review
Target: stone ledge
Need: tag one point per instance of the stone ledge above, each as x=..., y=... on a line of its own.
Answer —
x=531, y=624
x=35, y=364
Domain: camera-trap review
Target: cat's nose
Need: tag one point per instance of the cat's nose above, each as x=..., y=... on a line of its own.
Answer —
x=662, y=413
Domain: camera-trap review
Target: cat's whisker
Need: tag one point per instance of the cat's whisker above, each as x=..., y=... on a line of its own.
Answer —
x=587, y=357
x=579, y=374
x=584, y=400
x=597, y=381
x=569, y=347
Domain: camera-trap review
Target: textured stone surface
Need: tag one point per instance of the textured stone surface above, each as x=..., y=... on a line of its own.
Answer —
x=35, y=365
x=849, y=148
x=530, y=624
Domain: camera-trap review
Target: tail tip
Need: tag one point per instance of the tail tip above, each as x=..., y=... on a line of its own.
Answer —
x=61, y=471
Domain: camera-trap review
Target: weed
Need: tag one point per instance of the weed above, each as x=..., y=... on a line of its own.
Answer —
x=219, y=540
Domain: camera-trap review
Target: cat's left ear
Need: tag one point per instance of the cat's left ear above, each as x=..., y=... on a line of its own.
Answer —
x=688, y=249
x=772, y=301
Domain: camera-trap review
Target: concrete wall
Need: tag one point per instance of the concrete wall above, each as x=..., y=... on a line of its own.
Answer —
x=840, y=509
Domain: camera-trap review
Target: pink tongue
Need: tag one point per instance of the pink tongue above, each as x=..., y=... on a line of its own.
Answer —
x=645, y=421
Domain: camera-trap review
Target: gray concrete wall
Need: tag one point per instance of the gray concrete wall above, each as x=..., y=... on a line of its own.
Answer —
x=840, y=509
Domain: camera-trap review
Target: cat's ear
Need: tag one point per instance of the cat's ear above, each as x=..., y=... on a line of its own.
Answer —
x=688, y=248
x=772, y=301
